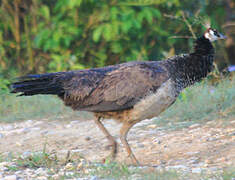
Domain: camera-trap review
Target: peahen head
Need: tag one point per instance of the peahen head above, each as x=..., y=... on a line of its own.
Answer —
x=213, y=35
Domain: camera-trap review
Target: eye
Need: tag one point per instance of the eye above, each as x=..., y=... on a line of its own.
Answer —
x=216, y=33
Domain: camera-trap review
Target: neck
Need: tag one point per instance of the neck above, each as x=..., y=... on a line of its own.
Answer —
x=203, y=46
x=191, y=68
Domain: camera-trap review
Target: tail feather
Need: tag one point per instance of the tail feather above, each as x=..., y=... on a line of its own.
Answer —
x=50, y=83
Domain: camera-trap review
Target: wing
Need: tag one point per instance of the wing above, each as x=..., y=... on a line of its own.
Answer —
x=124, y=87
x=81, y=84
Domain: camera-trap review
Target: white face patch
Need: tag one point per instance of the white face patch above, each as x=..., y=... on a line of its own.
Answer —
x=212, y=32
x=211, y=36
x=207, y=35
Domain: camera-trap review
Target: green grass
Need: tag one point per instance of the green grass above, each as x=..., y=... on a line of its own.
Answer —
x=120, y=171
x=14, y=108
x=109, y=170
x=200, y=103
x=81, y=168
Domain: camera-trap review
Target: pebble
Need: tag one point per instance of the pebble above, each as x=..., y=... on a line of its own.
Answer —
x=42, y=178
x=48, y=132
x=213, y=169
x=38, y=123
x=152, y=126
x=140, y=145
x=74, y=122
x=211, y=139
x=232, y=134
x=36, y=129
x=40, y=171
x=69, y=173
x=178, y=167
x=69, y=126
x=197, y=170
x=29, y=121
x=193, y=160
x=210, y=122
x=11, y=177
x=94, y=178
x=55, y=176
x=223, y=159
x=87, y=138
x=23, y=130
x=192, y=153
x=61, y=155
x=26, y=154
x=69, y=166
x=208, y=161
x=44, y=132
x=194, y=126
x=8, y=127
x=18, y=172
x=75, y=151
x=157, y=141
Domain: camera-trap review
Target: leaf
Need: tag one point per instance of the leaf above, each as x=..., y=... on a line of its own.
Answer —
x=148, y=15
x=107, y=34
x=41, y=37
x=48, y=45
x=74, y=3
x=67, y=41
x=56, y=36
x=136, y=24
x=116, y=47
x=140, y=17
x=97, y=33
x=126, y=26
x=114, y=13
x=45, y=11
x=156, y=12
x=77, y=67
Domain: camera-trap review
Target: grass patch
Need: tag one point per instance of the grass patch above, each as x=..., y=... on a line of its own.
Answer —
x=81, y=168
x=14, y=108
x=201, y=102
x=111, y=170
x=229, y=174
x=36, y=160
x=121, y=171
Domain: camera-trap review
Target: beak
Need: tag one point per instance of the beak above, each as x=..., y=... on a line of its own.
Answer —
x=221, y=36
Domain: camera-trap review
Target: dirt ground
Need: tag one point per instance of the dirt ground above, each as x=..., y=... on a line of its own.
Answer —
x=211, y=144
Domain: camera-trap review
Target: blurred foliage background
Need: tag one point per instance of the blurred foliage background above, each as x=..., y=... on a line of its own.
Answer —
x=38, y=36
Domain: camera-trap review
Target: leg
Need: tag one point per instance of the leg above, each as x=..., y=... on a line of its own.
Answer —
x=124, y=131
x=109, y=137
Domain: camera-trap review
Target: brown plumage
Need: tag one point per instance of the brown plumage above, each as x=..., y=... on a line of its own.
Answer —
x=128, y=92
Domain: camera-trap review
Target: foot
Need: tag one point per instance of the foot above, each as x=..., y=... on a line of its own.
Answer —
x=113, y=153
